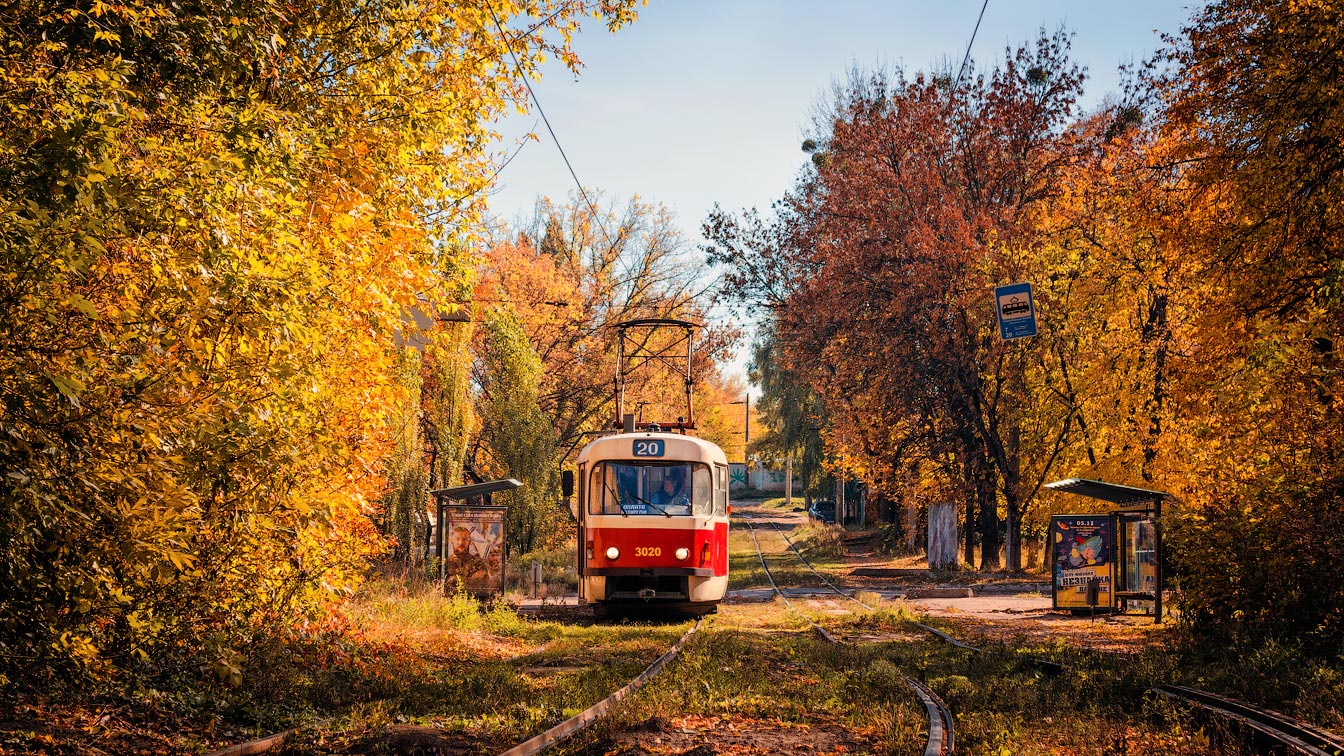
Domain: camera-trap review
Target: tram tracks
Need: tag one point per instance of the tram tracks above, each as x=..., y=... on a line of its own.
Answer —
x=941, y=739
x=1269, y=729
x=533, y=745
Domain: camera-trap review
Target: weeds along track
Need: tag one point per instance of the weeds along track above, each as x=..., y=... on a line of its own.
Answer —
x=534, y=744
x=941, y=741
x=1271, y=730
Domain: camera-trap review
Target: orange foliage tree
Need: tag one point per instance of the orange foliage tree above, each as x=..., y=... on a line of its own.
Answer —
x=214, y=216
x=878, y=271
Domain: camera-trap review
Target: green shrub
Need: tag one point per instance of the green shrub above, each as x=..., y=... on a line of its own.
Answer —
x=1263, y=566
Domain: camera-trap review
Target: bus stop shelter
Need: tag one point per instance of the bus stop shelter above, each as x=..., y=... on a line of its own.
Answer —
x=480, y=557
x=1134, y=538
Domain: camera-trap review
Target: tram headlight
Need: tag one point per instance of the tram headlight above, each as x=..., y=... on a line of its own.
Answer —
x=613, y=553
x=683, y=554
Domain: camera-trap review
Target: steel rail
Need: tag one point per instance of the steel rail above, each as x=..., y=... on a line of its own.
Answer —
x=820, y=630
x=921, y=625
x=536, y=743
x=941, y=741
x=253, y=747
x=1271, y=726
x=565, y=729
x=814, y=570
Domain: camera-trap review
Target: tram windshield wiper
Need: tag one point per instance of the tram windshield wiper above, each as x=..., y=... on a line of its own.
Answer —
x=646, y=502
x=617, y=499
x=637, y=498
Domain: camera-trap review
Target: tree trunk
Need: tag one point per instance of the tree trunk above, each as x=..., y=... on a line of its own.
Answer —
x=1012, y=487
x=989, y=517
x=970, y=530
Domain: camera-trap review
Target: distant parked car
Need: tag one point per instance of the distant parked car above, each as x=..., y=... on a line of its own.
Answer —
x=823, y=511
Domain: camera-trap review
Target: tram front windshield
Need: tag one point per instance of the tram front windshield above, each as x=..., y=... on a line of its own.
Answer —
x=664, y=490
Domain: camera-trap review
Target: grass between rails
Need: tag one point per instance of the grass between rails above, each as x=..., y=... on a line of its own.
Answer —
x=757, y=681
x=1003, y=704
x=485, y=679
x=820, y=544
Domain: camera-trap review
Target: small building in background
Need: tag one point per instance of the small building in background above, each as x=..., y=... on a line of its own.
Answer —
x=766, y=476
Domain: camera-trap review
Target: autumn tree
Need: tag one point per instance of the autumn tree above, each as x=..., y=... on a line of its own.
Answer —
x=792, y=413
x=1253, y=120
x=213, y=219
x=405, y=506
x=879, y=267
x=518, y=438
x=572, y=276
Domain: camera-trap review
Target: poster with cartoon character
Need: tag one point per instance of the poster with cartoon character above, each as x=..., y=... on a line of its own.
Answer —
x=1082, y=547
x=474, y=550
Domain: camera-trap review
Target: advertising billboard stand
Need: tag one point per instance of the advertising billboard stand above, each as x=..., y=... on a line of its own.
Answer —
x=1082, y=562
x=471, y=539
x=1121, y=549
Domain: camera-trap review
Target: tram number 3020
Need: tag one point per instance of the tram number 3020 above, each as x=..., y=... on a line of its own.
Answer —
x=648, y=551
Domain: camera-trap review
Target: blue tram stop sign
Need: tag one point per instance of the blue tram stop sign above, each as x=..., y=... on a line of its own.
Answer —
x=1016, y=310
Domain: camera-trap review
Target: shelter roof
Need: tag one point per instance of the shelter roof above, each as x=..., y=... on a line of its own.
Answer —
x=477, y=489
x=1112, y=492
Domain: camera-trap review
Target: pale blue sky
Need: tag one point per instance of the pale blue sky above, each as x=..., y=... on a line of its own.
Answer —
x=701, y=102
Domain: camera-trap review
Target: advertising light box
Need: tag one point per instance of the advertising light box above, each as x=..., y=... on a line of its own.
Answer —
x=1082, y=547
x=474, y=548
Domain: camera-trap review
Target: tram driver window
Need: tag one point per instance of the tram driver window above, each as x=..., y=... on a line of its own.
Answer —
x=634, y=489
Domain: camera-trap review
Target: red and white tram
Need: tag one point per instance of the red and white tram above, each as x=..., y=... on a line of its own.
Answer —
x=653, y=522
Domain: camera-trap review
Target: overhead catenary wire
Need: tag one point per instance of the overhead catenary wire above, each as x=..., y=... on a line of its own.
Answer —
x=967, y=56
x=597, y=218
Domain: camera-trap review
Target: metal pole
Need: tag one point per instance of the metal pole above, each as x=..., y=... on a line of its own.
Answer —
x=690, y=357
x=620, y=378
x=747, y=430
x=1158, y=556
x=788, y=481
x=439, y=543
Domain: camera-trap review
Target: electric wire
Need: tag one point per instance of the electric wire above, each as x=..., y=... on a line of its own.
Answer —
x=967, y=56
x=528, y=83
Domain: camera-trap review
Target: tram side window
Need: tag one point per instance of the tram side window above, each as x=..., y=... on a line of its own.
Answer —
x=721, y=490
x=703, y=496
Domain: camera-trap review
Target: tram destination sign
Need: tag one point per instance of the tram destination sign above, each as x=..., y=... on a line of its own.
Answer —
x=1016, y=310
x=648, y=447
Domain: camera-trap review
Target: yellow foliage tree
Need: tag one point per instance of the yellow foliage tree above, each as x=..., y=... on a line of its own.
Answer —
x=213, y=219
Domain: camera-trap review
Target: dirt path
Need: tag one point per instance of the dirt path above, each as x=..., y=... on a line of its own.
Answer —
x=698, y=735
x=1002, y=607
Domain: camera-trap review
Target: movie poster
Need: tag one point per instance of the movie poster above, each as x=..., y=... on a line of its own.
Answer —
x=475, y=548
x=1082, y=547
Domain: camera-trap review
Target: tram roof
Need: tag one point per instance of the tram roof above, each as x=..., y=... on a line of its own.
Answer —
x=616, y=446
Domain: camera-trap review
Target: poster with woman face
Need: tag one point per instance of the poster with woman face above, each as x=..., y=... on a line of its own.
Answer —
x=1081, y=548
x=474, y=550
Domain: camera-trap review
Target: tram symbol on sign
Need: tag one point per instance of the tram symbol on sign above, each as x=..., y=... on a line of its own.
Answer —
x=1017, y=312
